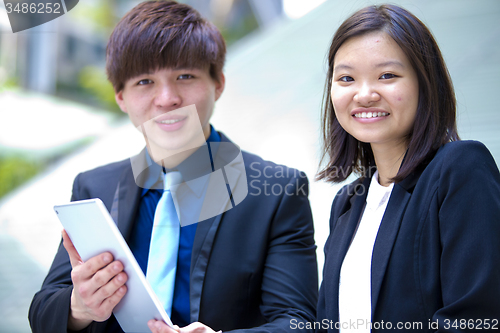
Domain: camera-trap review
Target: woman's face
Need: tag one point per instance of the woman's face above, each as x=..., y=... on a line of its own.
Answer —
x=375, y=90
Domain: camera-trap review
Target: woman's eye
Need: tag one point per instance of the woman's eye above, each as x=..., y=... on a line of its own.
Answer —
x=387, y=76
x=185, y=77
x=346, y=79
x=144, y=82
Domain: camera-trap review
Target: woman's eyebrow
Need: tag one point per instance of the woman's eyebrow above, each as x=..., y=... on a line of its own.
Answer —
x=382, y=64
x=341, y=66
x=389, y=63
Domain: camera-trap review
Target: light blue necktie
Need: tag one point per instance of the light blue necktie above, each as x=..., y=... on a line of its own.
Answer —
x=164, y=246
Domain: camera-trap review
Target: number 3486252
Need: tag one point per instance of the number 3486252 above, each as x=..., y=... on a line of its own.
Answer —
x=33, y=8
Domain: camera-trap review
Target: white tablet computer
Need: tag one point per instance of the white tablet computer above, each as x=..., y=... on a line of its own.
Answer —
x=93, y=231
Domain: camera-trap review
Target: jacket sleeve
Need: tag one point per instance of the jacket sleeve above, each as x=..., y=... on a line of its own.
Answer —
x=469, y=225
x=50, y=306
x=290, y=280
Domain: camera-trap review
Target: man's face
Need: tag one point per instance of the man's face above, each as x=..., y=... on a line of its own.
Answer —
x=151, y=100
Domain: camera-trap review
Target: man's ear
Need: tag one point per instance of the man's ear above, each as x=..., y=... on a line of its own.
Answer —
x=120, y=101
x=219, y=86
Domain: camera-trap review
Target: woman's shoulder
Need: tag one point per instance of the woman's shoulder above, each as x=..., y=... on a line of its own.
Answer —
x=455, y=164
x=463, y=155
x=462, y=164
x=462, y=146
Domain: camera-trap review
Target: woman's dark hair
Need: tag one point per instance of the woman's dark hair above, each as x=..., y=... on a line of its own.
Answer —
x=435, y=122
x=163, y=34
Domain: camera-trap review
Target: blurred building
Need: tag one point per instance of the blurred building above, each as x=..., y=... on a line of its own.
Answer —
x=40, y=58
x=8, y=47
x=49, y=58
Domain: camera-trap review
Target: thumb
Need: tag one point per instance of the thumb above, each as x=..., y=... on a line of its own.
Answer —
x=74, y=257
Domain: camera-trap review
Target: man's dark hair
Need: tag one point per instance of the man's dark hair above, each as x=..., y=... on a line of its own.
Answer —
x=435, y=121
x=163, y=34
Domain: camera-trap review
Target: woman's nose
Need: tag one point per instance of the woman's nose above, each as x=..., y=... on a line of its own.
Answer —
x=366, y=95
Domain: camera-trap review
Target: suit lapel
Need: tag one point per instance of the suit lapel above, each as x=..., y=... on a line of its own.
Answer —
x=207, y=230
x=346, y=226
x=202, y=247
x=388, y=232
x=125, y=202
x=341, y=239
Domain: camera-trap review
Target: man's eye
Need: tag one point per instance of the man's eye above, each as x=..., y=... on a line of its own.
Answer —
x=144, y=82
x=346, y=79
x=185, y=77
x=387, y=76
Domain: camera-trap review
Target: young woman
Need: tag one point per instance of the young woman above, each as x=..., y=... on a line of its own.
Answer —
x=415, y=241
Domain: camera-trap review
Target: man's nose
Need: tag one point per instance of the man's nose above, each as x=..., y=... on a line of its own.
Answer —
x=168, y=96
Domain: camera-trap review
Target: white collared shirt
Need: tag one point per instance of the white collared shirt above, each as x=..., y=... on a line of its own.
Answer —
x=355, y=274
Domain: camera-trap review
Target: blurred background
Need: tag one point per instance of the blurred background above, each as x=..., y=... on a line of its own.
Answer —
x=58, y=116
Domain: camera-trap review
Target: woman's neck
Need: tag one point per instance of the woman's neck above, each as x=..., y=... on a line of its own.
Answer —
x=388, y=159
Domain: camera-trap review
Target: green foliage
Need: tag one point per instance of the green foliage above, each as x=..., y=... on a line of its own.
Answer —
x=247, y=25
x=9, y=83
x=14, y=171
x=101, y=13
x=94, y=81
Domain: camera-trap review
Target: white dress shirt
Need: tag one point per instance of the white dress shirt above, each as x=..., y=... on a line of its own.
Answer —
x=355, y=275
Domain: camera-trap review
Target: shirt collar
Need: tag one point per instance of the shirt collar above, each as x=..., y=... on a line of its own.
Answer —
x=192, y=168
x=377, y=194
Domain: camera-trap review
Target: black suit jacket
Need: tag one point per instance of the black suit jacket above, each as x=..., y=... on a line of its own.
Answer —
x=437, y=252
x=253, y=267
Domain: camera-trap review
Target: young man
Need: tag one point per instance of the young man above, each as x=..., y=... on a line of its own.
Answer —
x=250, y=262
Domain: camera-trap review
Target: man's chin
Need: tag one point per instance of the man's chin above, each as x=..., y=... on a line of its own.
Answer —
x=173, y=150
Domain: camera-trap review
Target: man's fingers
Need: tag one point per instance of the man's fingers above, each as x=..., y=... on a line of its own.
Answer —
x=96, y=294
x=97, y=263
x=109, y=303
x=74, y=257
x=152, y=326
x=157, y=326
x=197, y=327
x=112, y=286
x=96, y=287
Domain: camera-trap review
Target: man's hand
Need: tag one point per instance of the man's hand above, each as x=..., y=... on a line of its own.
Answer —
x=98, y=285
x=157, y=326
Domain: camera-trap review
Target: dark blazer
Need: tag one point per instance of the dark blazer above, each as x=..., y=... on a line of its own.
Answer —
x=437, y=252
x=254, y=265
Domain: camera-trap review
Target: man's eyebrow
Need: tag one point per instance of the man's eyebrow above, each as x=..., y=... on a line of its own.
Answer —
x=149, y=72
x=184, y=68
